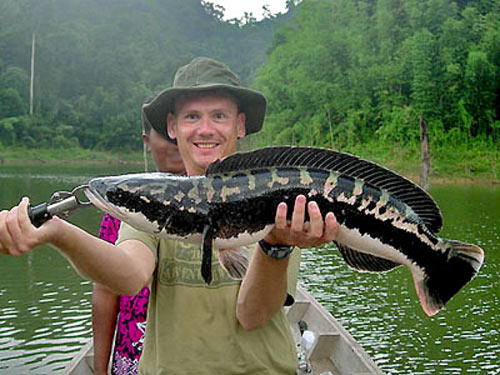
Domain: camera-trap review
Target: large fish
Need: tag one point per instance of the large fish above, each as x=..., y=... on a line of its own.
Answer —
x=385, y=220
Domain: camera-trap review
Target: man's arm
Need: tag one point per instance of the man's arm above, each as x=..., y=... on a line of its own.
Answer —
x=105, y=306
x=264, y=288
x=124, y=269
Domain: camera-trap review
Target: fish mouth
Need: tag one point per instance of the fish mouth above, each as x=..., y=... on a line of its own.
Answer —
x=96, y=194
x=97, y=188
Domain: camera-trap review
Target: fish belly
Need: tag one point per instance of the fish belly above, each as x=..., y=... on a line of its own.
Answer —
x=243, y=239
x=364, y=243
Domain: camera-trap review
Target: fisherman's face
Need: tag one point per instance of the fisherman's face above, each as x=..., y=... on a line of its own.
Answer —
x=206, y=128
x=165, y=154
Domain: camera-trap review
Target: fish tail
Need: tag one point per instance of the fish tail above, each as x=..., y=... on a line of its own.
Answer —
x=462, y=264
x=234, y=261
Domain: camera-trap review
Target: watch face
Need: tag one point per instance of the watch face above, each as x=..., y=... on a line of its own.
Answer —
x=276, y=251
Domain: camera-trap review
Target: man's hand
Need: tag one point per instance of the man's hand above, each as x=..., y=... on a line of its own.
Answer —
x=297, y=233
x=123, y=269
x=257, y=301
x=17, y=234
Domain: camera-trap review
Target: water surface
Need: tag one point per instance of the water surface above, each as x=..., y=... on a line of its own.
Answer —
x=383, y=313
x=45, y=306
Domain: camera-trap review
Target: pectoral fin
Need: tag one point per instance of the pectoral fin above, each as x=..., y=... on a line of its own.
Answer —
x=234, y=261
x=206, y=254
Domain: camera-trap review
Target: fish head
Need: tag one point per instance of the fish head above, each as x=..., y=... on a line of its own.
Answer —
x=141, y=200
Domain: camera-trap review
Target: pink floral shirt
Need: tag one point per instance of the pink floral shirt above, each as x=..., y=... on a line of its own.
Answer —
x=131, y=324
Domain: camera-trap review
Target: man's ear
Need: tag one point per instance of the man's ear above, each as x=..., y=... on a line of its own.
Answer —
x=240, y=123
x=171, y=125
x=145, y=140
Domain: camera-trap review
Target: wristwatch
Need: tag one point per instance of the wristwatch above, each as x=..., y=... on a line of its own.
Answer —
x=275, y=251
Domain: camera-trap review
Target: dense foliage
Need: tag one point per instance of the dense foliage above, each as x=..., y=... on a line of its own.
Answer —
x=97, y=60
x=356, y=75
x=362, y=74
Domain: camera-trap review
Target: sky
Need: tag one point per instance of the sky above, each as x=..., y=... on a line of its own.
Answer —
x=237, y=8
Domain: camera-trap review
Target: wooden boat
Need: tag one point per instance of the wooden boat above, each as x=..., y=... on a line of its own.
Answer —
x=324, y=347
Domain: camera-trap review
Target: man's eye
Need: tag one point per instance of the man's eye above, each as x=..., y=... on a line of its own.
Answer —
x=191, y=116
x=220, y=116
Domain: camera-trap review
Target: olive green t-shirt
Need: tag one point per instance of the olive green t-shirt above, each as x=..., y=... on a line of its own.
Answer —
x=192, y=328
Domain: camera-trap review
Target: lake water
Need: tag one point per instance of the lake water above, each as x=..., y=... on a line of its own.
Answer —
x=45, y=306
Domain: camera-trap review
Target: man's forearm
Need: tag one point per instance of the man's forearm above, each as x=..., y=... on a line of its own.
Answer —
x=123, y=270
x=263, y=290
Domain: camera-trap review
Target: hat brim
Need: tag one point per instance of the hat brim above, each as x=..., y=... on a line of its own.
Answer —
x=251, y=102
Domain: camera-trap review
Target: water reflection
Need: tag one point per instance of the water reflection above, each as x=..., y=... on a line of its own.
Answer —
x=44, y=312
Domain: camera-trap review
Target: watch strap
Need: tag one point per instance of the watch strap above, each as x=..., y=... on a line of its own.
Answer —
x=276, y=251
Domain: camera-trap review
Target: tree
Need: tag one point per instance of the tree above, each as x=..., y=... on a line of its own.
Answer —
x=479, y=94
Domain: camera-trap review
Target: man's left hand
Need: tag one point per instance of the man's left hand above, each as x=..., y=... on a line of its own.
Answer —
x=299, y=233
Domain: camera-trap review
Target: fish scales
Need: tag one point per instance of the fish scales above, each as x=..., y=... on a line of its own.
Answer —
x=385, y=220
x=237, y=208
x=254, y=207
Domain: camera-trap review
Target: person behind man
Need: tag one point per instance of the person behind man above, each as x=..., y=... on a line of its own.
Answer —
x=123, y=314
x=227, y=327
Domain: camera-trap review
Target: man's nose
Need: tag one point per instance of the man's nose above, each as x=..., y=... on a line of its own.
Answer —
x=205, y=126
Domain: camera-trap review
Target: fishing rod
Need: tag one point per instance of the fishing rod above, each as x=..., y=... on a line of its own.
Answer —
x=61, y=203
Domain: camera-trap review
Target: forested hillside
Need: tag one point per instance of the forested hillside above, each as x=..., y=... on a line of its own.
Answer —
x=356, y=75
x=362, y=75
x=97, y=60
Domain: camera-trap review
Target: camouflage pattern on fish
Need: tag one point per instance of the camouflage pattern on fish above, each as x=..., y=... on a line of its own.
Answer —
x=384, y=219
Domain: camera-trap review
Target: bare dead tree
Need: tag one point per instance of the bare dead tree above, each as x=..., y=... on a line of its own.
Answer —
x=425, y=159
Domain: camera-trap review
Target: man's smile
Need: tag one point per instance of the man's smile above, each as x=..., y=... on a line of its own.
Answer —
x=206, y=145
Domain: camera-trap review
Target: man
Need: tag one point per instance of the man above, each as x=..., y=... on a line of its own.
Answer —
x=165, y=155
x=124, y=317
x=232, y=328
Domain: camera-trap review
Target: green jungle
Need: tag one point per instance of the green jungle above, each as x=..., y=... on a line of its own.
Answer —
x=358, y=76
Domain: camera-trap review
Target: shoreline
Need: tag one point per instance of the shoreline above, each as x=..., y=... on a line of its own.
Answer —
x=107, y=161
x=437, y=179
x=459, y=180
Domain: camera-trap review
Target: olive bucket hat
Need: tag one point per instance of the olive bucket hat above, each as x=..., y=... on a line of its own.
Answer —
x=205, y=74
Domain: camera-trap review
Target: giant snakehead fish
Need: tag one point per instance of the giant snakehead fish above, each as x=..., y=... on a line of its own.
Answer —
x=384, y=219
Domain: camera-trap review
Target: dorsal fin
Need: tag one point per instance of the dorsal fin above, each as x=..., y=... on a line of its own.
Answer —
x=286, y=156
x=365, y=262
